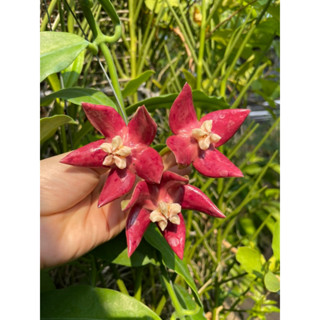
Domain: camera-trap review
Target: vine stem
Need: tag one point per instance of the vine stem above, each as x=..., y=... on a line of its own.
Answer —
x=114, y=79
x=99, y=41
x=202, y=43
x=133, y=44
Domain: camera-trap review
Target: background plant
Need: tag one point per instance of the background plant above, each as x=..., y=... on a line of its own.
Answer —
x=228, y=51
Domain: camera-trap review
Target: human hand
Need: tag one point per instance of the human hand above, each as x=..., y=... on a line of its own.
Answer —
x=71, y=223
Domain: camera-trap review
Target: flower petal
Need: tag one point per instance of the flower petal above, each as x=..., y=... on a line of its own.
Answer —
x=142, y=128
x=184, y=148
x=89, y=155
x=195, y=199
x=175, y=234
x=170, y=187
x=148, y=164
x=212, y=163
x=137, y=223
x=120, y=162
x=225, y=123
x=182, y=115
x=118, y=183
x=105, y=119
x=169, y=176
x=142, y=195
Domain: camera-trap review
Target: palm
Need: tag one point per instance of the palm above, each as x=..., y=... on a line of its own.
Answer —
x=71, y=223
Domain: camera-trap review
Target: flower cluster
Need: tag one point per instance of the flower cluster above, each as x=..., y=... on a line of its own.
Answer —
x=160, y=195
x=124, y=151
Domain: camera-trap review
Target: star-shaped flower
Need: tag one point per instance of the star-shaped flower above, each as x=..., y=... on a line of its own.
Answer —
x=196, y=141
x=124, y=150
x=162, y=204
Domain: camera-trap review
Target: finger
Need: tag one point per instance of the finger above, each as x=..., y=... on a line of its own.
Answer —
x=62, y=186
x=67, y=235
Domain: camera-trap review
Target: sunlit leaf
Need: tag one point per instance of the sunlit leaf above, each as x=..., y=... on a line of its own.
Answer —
x=247, y=225
x=250, y=259
x=272, y=282
x=58, y=50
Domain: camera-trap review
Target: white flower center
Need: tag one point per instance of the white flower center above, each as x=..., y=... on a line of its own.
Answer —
x=117, y=153
x=164, y=212
x=204, y=135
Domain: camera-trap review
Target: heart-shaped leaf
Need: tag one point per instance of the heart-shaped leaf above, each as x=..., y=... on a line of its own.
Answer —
x=85, y=302
x=58, y=50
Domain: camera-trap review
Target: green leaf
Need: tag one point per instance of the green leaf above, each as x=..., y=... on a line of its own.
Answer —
x=252, y=169
x=276, y=240
x=46, y=283
x=250, y=259
x=78, y=95
x=85, y=302
x=247, y=225
x=54, y=82
x=188, y=303
x=272, y=192
x=133, y=85
x=155, y=238
x=58, y=50
x=200, y=100
x=71, y=74
x=275, y=167
x=191, y=79
x=272, y=282
x=275, y=11
x=49, y=125
x=116, y=251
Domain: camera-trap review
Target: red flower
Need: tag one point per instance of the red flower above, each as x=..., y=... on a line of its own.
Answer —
x=162, y=203
x=124, y=150
x=196, y=141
